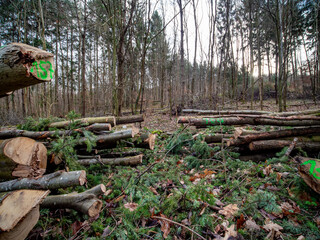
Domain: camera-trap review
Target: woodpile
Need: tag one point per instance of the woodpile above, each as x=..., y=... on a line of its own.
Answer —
x=23, y=161
x=303, y=125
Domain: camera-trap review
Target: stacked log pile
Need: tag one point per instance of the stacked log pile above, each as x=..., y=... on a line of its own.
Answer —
x=304, y=125
x=23, y=161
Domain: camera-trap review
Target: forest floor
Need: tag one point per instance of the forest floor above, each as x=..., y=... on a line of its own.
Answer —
x=186, y=189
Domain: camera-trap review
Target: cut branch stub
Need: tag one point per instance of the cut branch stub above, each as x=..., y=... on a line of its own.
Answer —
x=22, y=65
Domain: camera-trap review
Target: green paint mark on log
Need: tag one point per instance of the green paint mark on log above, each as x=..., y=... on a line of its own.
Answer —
x=43, y=72
x=312, y=168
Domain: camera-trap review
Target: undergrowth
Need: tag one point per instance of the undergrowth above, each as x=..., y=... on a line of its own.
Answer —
x=188, y=183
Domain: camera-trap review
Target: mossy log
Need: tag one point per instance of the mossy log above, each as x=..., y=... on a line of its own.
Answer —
x=54, y=180
x=85, y=202
x=22, y=157
x=22, y=65
x=124, y=161
x=129, y=119
x=46, y=134
x=90, y=120
x=14, y=206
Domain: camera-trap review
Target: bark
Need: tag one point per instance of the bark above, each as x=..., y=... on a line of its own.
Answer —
x=22, y=157
x=204, y=122
x=264, y=145
x=16, y=205
x=223, y=112
x=274, y=134
x=49, y=134
x=23, y=228
x=22, y=65
x=129, y=119
x=54, y=180
x=91, y=120
x=85, y=202
x=125, y=161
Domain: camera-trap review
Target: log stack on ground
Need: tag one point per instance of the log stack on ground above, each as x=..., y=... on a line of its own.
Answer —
x=22, y=157
x=22, y=65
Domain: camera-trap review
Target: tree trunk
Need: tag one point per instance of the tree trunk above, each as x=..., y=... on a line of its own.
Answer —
x=22, y=65
x=129, y=119
x=46, y=134
x=91, y=120
x=274, y=134
x=276, y=145
x=254, y=120
x=112, y=138
x=54, y=180
x=22, y=157
x=124, y=161
x=16, y=205
x=85, y=202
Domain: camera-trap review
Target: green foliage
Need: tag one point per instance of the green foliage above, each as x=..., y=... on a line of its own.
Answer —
x=36, y=125
x=263, y=200
x=64, y=146
x=179, y=140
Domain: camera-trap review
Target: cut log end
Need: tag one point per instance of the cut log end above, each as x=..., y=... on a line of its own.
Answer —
x=82, y=178
x=95, y=208
x=22, y=157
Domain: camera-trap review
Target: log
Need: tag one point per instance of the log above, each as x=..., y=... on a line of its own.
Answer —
x=223, y=112
x=145, y=140
x=112, y=138
x=129, y=119
x=54, y=180
x=251, y=112
x=16, y=205
x=309, y=170
x=22, y=157
x=264, y=145
x=85, y=202
x=23, y=228
x=46, y=134
x=125, y=161
x=22, y=65
x=91, y=120
x=215, y=138
x=241, y=140
x=204, y=122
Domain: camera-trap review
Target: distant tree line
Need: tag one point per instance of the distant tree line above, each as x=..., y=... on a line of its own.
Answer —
x=113, y=56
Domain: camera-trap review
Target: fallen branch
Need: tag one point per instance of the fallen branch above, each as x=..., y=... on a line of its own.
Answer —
x=91, y=120
x=179, y=224
x=85, y=202
x=125, y=161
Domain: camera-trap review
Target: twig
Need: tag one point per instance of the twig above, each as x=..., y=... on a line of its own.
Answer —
x=181, y=225
x=291, y=147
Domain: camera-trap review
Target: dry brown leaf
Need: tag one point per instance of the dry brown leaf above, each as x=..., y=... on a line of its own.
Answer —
x=301, y=238
x=267, y=170
x=131, y=206
x=165, y=226
x=230, y=232
x=272, y=227
x=251, y=225
x=152, y=189
x=240, y=222
x=229, y=210
x=278, y=177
